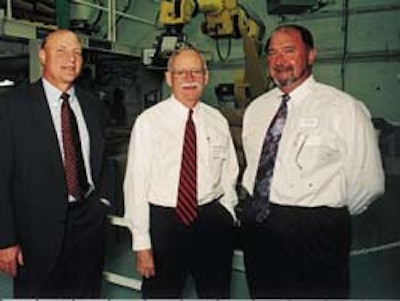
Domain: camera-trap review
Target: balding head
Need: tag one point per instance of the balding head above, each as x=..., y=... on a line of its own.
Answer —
x=61, y=58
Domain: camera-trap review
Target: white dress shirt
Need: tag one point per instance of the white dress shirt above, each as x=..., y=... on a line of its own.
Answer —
x=328, y=154
x=54, y=101
x=154, y=160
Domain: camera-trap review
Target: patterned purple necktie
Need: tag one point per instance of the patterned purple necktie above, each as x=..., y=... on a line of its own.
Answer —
x=74, y=167
x=267, y=160
x=186, y=208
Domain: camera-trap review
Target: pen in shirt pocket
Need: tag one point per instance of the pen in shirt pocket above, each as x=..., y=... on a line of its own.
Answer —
x=299, y=145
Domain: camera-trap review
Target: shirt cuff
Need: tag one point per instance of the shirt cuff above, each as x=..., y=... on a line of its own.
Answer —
x=141, y=242
x=105, y=202
x=230, y=209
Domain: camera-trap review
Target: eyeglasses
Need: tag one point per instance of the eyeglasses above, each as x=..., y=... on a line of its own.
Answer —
x=181, y=73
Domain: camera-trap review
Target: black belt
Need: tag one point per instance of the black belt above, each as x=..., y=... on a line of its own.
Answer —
x=75, y=204
x=199, y=206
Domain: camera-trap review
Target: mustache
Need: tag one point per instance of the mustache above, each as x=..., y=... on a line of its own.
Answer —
x=191, y=85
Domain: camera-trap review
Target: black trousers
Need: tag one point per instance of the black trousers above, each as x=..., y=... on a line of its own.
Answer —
x=204, y=250
x=299, y=253
x=78, y=270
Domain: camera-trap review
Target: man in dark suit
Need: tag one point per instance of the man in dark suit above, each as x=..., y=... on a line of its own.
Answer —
x=51, y=235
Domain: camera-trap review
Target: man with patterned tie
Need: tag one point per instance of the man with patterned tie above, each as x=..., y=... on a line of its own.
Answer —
x=180, y=188
x=51, y=215
x=312, y=161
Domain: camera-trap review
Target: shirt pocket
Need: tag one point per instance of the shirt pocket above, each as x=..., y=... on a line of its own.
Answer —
x=217, y=148
x=315, y=151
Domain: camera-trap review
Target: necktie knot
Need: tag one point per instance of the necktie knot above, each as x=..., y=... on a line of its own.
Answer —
x=285, y=98
x=64, y=96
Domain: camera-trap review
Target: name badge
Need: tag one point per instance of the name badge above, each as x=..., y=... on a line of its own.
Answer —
x=309, y=122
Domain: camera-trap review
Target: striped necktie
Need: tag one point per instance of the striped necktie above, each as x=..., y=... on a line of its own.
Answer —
x=186, y=208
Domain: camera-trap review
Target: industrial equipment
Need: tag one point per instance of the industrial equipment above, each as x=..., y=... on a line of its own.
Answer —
x=224, y=19
x=43, y=11
x=292, y=6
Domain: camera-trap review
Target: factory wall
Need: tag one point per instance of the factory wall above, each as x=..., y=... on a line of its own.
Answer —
x=358, y=45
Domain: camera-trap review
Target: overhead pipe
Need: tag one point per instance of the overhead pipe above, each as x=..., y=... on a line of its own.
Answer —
x=127, y=16
x=345, y=30
x=111, y=24
x=9, y=9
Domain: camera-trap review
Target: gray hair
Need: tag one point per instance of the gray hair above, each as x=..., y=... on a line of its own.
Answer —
x=183, y=49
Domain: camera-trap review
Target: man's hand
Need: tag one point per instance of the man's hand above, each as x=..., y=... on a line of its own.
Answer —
x=145, y=263
x=10, y=258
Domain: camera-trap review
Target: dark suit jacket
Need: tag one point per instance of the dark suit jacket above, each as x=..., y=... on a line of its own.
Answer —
x=33, y=194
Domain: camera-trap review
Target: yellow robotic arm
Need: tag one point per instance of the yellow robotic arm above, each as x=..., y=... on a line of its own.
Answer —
x=223, y=18
x=180, y=12
x=173, y=15
x=232, y=21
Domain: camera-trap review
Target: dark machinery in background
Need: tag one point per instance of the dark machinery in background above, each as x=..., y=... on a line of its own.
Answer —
x=282, y=7
x=223, y=19
x=43, y=11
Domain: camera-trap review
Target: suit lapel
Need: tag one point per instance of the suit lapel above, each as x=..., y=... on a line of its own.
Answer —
x=43, y=120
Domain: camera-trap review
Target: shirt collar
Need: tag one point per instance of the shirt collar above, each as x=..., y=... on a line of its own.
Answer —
x=53, y=94
x=301, y=91
x=181, y=109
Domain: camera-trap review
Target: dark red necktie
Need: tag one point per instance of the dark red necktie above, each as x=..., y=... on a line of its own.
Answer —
x=74, y=167
x=186, y=208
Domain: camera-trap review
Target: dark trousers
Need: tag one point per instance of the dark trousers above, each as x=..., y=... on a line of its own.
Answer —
x=204, y=250
x=78, y=270
x=299, y=253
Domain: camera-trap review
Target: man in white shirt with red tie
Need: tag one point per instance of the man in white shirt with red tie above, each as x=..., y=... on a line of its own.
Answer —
x=327, y=167
x=180, y=188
